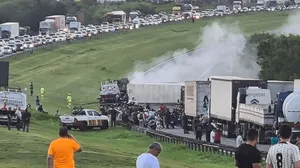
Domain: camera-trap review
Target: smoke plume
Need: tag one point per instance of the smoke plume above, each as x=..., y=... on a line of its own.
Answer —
x=292, y=26
x=223, y=50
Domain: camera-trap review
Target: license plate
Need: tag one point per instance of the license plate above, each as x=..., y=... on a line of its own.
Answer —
x=66, y=124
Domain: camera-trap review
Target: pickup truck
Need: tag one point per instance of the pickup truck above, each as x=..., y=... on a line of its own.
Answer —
x=84, y=119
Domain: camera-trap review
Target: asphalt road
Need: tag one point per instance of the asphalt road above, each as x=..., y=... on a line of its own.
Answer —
x=225, y=141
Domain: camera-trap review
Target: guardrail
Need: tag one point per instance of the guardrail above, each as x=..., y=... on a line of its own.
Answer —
x=192, y=144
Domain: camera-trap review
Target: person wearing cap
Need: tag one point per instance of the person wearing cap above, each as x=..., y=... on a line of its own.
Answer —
x=149, y=159
x=61, y=151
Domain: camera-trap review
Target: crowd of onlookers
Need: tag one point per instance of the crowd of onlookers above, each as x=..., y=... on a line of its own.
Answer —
x=145, y=115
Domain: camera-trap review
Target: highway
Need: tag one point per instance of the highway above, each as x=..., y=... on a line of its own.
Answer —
x=225, y=141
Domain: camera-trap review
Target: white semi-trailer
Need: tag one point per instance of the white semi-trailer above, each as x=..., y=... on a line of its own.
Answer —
x=59, y=19
x=47, y=27
x=223, y=101
x=297, y=85
x=75, y=26
x=279, y=86
x=239, y=104
x=196, y=99
x=10, y=29
x=155, y=93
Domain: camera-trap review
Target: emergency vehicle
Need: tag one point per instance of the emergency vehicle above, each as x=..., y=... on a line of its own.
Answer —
x=10, y=100
x=84, y=119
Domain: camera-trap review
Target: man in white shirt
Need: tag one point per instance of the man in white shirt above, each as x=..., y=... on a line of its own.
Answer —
x=284, y=154
x=18, y=113
x=239, y=140
x=149, y=159
x=212, y=133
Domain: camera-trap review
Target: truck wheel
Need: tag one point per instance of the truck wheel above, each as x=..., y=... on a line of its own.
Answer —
x=83, y=126
x=104, y=124
x=69, y=128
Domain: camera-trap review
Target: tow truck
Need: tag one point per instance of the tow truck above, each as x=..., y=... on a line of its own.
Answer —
x=84, y=119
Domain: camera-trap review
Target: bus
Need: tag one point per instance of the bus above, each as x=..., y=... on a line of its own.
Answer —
x=116, y=17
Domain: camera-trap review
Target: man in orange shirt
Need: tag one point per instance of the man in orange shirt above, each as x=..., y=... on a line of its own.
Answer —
x=61, y=151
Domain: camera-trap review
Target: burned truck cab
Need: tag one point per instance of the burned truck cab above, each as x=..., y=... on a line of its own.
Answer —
x=109, y=93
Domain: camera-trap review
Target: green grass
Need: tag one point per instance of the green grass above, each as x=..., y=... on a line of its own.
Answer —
x=79, y=68
x=113, y=148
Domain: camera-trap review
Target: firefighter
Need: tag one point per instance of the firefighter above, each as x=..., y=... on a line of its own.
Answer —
x=69, y=101
x=42, y=92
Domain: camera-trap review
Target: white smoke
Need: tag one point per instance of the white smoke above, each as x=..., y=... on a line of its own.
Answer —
x=221, y=52
x=292, y=26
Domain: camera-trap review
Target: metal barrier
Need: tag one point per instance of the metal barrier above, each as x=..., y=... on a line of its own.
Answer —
x=192, y=144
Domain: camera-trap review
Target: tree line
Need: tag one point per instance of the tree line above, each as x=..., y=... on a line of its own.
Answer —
x=278, y=55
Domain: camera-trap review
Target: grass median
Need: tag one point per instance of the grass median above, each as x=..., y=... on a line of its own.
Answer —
x=79, y=68
x=112, y=148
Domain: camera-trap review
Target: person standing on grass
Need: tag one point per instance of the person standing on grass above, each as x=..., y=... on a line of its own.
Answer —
x=37, y=102
x=31, y=88
x=43, y=92
x=18, y=113
x=113, y=116
x=247, y=155
x=61, y=151
x=149, y=159
x=26, y=116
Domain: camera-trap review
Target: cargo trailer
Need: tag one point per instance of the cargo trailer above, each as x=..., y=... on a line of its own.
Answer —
x=10, y=29
x=59, y=19
x=47, y=27
x=155, y=93
x=223, y=100
x=196, y=99
x=279, y=86
x=297, y=85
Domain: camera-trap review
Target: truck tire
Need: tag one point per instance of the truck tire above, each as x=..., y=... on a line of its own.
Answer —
x=69, y=128
x=83, y=126
x=104, y=124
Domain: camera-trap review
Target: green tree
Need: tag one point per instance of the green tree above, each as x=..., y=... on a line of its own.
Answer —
x=30, y=12
x=278, y=55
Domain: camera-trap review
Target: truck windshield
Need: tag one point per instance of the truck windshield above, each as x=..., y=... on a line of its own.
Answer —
x=90, y=113
x=132, y=16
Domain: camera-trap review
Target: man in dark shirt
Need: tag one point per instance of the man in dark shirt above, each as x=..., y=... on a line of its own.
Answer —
x=26, y=120
x=113, y=115
x=31, y=88
x=247, y=155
